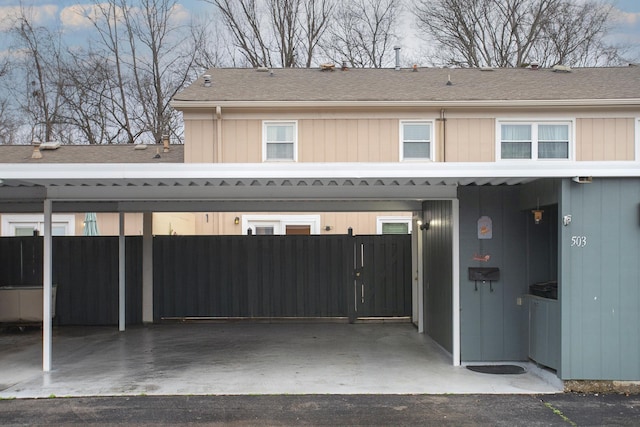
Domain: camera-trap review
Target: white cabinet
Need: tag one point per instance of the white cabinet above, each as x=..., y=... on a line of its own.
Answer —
x=544, y=331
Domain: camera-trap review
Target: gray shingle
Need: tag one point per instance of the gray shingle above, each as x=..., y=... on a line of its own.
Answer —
x=92, y=154
x=426, y=84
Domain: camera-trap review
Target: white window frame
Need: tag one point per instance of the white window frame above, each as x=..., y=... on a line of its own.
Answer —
x=11, y=222
x=395, y=220
x=265, y=125
x=432, y=140
x=571, y=122
x=280, y=222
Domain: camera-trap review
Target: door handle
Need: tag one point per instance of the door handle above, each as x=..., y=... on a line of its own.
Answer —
x=362, y=293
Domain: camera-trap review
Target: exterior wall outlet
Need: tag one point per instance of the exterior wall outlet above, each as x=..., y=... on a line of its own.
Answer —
x=519, y=301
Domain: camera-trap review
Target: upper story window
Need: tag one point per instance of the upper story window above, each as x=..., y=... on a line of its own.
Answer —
x=533, y=141
x=279, y=141
x=416, y=140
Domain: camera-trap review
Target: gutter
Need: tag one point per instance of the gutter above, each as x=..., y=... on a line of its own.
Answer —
x=631, y=102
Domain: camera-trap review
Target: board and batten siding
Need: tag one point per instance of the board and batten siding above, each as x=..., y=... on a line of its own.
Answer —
x=199, y=134
x=599, y=139
x=469, y=140
x=599, y=289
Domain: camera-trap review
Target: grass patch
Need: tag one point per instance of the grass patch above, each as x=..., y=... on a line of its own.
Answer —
x=559, y=413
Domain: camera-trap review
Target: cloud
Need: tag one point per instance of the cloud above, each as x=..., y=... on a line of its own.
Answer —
x=626, y=18
x=77, y=16
x=38, y=15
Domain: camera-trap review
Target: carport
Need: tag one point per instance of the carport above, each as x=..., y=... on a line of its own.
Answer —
x=307, y=187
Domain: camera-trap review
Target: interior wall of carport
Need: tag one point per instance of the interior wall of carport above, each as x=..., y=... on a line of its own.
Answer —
x=494, y=324
x=599, y=280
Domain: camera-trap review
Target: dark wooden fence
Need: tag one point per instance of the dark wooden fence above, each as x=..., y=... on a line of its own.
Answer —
x=219, y=276
x=85, y=270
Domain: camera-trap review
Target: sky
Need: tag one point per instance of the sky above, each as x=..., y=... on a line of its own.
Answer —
x=48, y=12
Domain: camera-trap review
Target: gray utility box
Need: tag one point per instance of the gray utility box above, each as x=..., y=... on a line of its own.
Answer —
x=544, y=331
x=23, y=304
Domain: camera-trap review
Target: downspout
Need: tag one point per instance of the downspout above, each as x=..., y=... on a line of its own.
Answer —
x=218, y=158
x=443, y=132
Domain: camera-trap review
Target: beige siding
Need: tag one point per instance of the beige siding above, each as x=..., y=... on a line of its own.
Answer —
x=351, y=140
x=241, y=141
x=605, y=139
x=109, y=224
x=200, y=134
x=468, y=140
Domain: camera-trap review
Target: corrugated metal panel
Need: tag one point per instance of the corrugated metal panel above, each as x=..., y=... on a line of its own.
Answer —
x=438, y=277
x=599, y=287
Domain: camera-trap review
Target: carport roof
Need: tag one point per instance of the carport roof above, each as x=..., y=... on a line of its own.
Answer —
x=274, y=187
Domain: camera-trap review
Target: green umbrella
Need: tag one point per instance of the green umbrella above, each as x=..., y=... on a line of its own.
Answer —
x=91, y=224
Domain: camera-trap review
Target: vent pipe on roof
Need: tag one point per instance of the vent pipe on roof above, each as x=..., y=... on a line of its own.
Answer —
x=397, y=49
x=207, y=80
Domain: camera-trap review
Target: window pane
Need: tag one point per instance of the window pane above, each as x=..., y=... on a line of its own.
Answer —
x=264, y=231
x=516, y=133
x=395, y=228
x=516, y=150
x=553, y=150
x=416, y=150
x=553, y=133
x=279, y=151
x=416, y=132
x=553, y=141
x=280, y=133
x=24, y=231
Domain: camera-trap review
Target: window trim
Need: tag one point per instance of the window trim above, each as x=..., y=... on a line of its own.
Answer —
x=380, y=220
x=432, y=140
x=10, y=221
x=265, y=124
x=280, y=222
x=570, y=122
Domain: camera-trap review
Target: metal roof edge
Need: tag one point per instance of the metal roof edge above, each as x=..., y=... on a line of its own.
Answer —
x=114, y=171
x=186, y=104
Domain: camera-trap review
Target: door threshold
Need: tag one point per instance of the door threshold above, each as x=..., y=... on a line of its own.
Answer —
x=400, y=319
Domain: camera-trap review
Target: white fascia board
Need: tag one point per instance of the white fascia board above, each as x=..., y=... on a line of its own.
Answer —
x=94, y=173
x=183, y=105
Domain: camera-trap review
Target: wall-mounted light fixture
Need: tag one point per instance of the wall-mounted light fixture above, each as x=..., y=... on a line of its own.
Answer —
x=537, y=213
x=236, y=220
x=582, y=179
x=424, y=225
x=327, y=228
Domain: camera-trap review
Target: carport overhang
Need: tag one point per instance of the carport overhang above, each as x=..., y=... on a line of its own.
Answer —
x=266, y=186
x=247, y=187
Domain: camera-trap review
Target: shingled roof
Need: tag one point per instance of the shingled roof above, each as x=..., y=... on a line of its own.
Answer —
x=233, y=85
x=116, y=153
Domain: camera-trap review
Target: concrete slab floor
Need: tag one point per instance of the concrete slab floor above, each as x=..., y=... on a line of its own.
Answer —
x=244, y=358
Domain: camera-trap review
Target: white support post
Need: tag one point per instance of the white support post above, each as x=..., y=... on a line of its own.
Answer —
x=46, y=289
x=147, y=267
x=121, y=275
x=455, y=255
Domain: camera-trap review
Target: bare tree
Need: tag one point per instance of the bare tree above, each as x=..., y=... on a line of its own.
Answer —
x=364, y=32
x=152, y=57
x=40, y=94
x=268, y=33
x=513, y=33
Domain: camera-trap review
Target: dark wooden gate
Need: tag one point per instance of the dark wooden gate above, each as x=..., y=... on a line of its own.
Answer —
x=382, y=282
